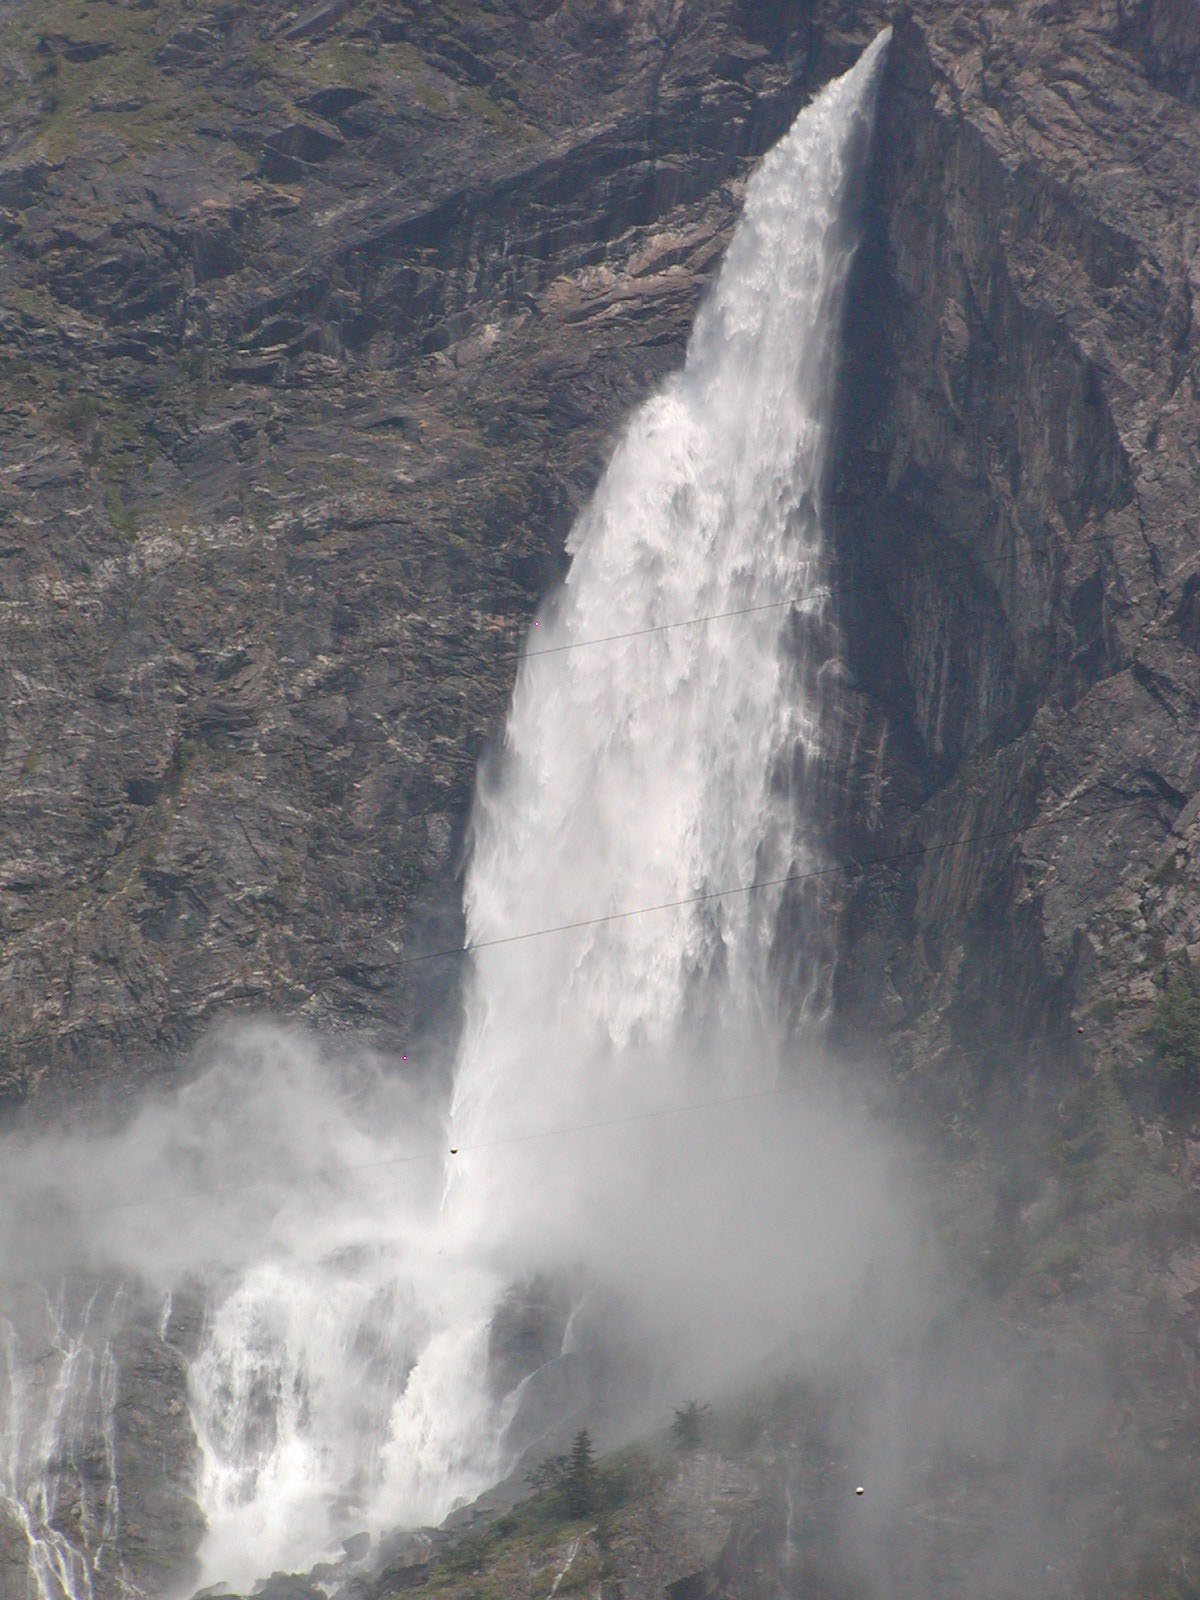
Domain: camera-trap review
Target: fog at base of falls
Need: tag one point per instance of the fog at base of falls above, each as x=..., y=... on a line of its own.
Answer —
x=628, y=1119
x=301, y=1194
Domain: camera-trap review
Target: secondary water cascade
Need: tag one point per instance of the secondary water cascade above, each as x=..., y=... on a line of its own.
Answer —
x=616, y=1128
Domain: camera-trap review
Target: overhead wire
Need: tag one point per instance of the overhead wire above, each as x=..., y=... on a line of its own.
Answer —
x=567, y=1130
x=561, y=1131
x=859, y=864
x=660, y=627
x=523, y=653
x=439, y=1152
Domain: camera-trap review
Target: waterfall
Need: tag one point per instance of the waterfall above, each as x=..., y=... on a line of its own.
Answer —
x=615, y=1131
x=58, y=1472
x=648, y=768
x=652, y=768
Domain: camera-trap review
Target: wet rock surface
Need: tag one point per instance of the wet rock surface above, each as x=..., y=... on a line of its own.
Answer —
x=708, y=1526
x=156, y=1459
x=315, y=328
x=14, y=1555
x=96, y=1487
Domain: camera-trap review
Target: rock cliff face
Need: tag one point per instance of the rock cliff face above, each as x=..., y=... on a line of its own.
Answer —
x=316, y=327
x=1018, y=536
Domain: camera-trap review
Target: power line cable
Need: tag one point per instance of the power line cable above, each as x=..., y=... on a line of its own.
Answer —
x=859, y=865
x=661, y=627
x=439, y=1152
x=862, y=864
x=522, y=653
x=567, y=1130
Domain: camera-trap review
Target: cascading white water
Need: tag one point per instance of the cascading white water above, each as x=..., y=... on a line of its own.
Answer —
x=645, y=770
x=343, y=1376
x=58, y=1472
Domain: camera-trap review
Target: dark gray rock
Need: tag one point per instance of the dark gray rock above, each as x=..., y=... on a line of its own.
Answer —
x=1015, y=498
x=526, y=1332
x=292, y=459
x=156, y=1459
x=313, y=346
x=288, y=1586
x=14, y=1552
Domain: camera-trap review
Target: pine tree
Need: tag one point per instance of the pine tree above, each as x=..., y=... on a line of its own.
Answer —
x=689, y=1426
x=579, y=1484
x=547, y=1478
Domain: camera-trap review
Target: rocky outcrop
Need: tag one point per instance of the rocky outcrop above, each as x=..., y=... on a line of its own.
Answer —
x=1017, y=545
x=101, y=1456
x=156, y=1462
x=315, y=328
x=14, y=1553
x=708, y=1526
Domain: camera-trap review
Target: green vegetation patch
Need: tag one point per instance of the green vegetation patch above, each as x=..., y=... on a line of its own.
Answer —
x=94, y=61
x=561, y=1537
x=1104, y=1182
x=1175, y=1033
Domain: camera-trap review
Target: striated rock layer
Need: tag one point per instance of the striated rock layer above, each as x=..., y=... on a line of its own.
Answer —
x=316, y=326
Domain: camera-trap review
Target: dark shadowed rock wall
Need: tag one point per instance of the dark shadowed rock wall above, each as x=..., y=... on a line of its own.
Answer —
x=1016, y=502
